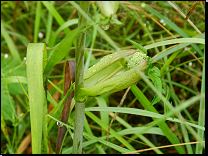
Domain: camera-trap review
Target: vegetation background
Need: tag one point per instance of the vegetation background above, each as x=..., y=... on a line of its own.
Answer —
x=18, y=28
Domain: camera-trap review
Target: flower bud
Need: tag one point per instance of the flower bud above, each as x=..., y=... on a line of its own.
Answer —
x=108, y=8
x=112, y=74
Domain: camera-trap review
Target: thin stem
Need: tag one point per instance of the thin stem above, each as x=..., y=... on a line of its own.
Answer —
x=79, y=83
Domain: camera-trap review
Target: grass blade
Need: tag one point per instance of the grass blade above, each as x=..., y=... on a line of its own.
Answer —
x=60, y=51
x=37, y=21
x=55, y=14
x=201, y=119
x=174, y=26
x=12, y=47
x=163, y=126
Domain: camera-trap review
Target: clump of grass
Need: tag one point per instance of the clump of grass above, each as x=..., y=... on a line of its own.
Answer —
x=181, y=66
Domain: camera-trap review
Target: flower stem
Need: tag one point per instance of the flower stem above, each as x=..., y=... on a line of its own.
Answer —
x=79, y=83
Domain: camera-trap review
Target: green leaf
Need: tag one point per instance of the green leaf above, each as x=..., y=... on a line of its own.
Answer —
x=163, y=126
x=10, y=68
x=155, y=100
x=174, y=26
x=60, y=50
x=13, y=79
x=154, y=74
x=61, y=28
x=114, y=133
x=12, y=47
x=138, y=46
x=37, y=21
x=36, y=53
x=55, y=14
x=7, y=104
x=103, y=115
x=141, y=113
x=56, y=112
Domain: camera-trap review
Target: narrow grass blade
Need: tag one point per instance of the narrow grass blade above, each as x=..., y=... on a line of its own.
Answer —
x=56, y=112
x=115, y=134
x=163, y=126
x=138, y=46
x=60, y=51
x=12, y=47
x=113, y=146
x=174, y=26
x=55, y=14
x=37, y=21
x=62, y=27
x=49, y=25
x=103, y=115
x=13, y=79
x=4, y=130
x=140, y=112
x=201, y=119
x=173, y=41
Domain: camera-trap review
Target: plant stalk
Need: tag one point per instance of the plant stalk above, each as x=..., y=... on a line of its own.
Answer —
x=79, y=83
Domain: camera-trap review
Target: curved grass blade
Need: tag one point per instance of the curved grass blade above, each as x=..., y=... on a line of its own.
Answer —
x=61, y=49
x=138, y=46
x=55, y=14
x=62, y=27
x=163, y=126
x=175, y=27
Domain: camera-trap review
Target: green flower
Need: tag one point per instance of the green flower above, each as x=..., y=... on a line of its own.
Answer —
x=112, y=74
x=137, y=59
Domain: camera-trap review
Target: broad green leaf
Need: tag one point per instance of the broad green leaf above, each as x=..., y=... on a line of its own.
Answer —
x=7, y=104
x=36, y=55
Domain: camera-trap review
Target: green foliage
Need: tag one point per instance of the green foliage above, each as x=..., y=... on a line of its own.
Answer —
x=169, y=94
x=137, y=45
x=60, y=50
x=10, y=67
